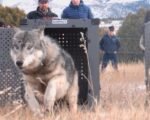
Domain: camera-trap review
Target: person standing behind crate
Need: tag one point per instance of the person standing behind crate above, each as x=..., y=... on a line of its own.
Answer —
x=77, y=10
x=110, y=45
x=42, y=12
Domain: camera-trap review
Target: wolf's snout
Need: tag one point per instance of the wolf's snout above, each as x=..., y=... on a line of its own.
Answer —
x=19, y=64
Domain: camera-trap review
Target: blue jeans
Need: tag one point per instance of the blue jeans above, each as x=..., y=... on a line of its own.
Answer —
x=109, y=57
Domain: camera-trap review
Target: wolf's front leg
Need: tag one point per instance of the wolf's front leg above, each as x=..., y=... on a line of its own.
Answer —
x=50, y=95
x=32, y=101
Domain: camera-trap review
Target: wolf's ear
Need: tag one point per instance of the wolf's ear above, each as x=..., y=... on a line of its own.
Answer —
x=40, y=32
x=16, y=29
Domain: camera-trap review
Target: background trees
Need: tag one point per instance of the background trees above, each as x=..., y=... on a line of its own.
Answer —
x=129, y=34
x=11, y=16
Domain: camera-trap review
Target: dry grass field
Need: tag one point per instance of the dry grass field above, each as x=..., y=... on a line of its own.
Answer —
x=122, y=98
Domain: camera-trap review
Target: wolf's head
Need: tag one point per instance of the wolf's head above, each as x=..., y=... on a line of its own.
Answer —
x=27, y=52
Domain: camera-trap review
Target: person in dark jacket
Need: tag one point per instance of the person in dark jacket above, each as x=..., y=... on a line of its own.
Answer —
x=42, y=12
x=110, y=45
x=77, y=10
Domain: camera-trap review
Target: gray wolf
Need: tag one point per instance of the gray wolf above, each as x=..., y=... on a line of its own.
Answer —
x=48, y=70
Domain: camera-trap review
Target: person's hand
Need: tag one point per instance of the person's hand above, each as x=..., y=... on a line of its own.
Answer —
x=115, y=52
x=101, y=52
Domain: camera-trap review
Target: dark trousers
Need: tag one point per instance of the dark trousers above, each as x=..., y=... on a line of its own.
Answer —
x=109, y=57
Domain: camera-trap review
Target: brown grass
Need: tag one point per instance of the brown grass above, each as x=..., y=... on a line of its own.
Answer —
x=122, y=98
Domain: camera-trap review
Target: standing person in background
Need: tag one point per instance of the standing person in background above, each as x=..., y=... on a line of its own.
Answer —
x=77, y=10
x=42, y=12
x=110, y=45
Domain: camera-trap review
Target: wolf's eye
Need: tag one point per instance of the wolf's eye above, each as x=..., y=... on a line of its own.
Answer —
x=16, y=47
x=29, y=47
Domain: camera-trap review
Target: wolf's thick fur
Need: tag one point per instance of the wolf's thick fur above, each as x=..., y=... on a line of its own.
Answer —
x=49, y=71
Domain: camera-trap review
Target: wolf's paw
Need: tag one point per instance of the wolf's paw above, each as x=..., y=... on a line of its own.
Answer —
x=38, y=115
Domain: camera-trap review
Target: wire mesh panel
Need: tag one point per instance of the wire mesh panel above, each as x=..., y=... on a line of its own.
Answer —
x=69, y=39
x=10, y=80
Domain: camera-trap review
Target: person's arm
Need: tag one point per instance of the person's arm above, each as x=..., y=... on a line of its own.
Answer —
x=28, y=16
x=90, y=14
x=64, y=15
x=53, y=16
x=101, y=44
